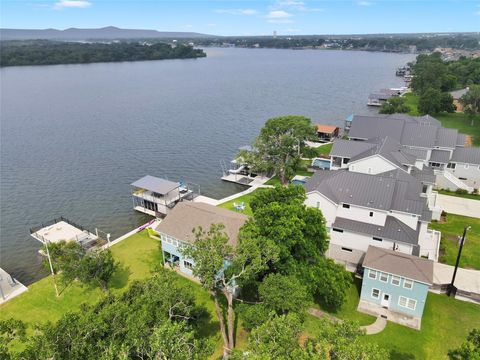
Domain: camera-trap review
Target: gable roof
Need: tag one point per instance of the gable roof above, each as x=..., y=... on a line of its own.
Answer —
x=467, y=155
x=440, y=156
x=349, y=148
x=393, y=229
x=393, y=190
x=326, y=129
x=446, y=138
x=457, y=94
x=400, y=264
x=186, y=216
x=158, y=185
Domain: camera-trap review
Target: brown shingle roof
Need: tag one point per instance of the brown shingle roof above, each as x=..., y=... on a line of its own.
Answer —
x=400, y=264
x=186, y=216
x=326, y=129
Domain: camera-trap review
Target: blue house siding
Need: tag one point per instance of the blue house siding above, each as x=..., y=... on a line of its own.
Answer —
x=172, y=246
x=418, y=292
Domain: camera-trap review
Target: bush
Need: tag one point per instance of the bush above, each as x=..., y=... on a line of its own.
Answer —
x=254, y=315
x=461, y=192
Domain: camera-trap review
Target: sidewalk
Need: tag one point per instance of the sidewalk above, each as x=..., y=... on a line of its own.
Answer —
x=458, y=205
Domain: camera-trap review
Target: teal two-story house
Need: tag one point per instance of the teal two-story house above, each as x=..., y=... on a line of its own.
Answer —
x=176, y=230
x=395, y=286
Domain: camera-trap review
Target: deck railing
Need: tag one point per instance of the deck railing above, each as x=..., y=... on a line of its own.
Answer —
x=57, y=220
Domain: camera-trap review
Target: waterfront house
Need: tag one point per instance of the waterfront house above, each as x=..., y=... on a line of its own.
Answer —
x=418, y=144
x=176, y=230
x=385, y=210
x=395, y=285
x=456, y=95
x=327, y=132
x=156, y=197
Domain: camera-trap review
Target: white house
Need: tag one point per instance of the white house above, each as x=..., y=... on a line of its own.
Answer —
x=406, y=142
x=384, y=210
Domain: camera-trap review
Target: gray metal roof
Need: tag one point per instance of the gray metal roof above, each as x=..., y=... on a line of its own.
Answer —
x=397, y=263
x=419, y=135
x=426, y=175
x=457, y=94
x=158, y=185
x=394, y=190
x=446, y=138
x=186, y=216
x=348, y=148
x=367, y=127
x=393, y=229
x=419, y=154
x=389, y=149
x=461, y=140
x=427, y=120
x=440, y=156
x=467, y=155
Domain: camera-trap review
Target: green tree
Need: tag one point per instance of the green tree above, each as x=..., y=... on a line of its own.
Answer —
x=395, y=104
x=221, y=268
x=72, y=261
x=283, y=195
x=469, y=350
x=151, y=319
x=471, y=102
x=279, y=146
x=10, y=330
x=433, y=101
x=284, y=294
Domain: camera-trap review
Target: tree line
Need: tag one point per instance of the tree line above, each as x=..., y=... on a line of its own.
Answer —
x=44, y=52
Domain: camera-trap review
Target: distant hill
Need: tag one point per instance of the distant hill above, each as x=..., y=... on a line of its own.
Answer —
x=106, y=33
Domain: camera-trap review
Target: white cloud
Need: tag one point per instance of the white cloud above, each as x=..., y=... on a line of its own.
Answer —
x=278, y=14
x=364, y=3
x=211, y=24
x=293, y=5
x=62, y=4
x=237, y=11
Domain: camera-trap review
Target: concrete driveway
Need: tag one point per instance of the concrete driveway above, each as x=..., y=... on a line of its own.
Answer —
x=459, y=206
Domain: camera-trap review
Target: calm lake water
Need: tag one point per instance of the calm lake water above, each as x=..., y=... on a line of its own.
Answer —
x=73, y=137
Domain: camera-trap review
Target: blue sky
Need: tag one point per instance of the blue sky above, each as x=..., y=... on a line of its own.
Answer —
x=247, y=17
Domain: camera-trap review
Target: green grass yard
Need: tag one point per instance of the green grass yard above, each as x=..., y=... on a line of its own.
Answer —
x=139, y=256
x=245, y=198
x=445, y=325
x=453, y=228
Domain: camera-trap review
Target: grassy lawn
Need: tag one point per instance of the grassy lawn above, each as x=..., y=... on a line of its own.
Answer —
x=453, y=193
x=245, y=198
x=453, y=228
x=139, y=256
x=458, y=121
x=324, y=149
x=445, y=325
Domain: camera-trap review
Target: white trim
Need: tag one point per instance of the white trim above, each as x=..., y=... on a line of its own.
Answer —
x=408, y=301
x=372, y=272
x=414, y=280
x=380, y=277
x=404, y=281
x=371, y=294
x=396, y=277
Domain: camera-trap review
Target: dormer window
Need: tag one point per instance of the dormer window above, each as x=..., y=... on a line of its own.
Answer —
x=451, y=165
x=346, y=206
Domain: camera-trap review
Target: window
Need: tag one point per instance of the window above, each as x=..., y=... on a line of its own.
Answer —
x=375, y=293
x=346, y=249
x=408, y=284
x=188, y=264
x=451, y=165
x=371, y=214
x=434, y=164
x=369, y=170
x=407, y=302
x=372, y=274
x=466, y=166
x=377, y=239
x=345, y=160
x=395, y=280
x=337, y=230
x=383, y=277
x=424, y=189
x=462, y=178
x=346, y=206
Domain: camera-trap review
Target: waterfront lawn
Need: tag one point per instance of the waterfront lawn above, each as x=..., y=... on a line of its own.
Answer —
x=453, y=193
x=445, y=325
x=451, y=229
x=323, y=149
x=245, y=198
x=139, y=256
x=412, y=102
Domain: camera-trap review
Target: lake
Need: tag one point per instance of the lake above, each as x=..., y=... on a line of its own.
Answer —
x=73, y=137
